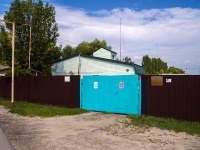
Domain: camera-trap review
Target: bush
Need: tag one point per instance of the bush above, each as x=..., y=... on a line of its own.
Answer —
x=19, y=72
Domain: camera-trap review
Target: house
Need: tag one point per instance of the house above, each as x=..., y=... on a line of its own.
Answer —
x=3, y=70
x=105, y=53
x=103, y=62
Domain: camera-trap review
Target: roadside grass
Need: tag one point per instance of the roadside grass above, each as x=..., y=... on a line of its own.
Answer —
x=165, y=123
x=29, y=109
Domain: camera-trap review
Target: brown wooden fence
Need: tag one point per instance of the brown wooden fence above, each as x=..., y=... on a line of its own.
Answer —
x=172, y=96
x=53, y=90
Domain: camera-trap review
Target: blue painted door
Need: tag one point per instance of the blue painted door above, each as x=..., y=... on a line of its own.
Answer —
x=116, y=94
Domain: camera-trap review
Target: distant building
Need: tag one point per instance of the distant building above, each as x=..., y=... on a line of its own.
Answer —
x=3, y=70
x=103, y=62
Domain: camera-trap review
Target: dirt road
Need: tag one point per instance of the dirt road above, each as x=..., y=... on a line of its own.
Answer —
x=90, y=131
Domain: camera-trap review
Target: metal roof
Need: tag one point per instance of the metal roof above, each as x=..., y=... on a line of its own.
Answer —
x=3, y=67
x=138, y=69
x=105, y=49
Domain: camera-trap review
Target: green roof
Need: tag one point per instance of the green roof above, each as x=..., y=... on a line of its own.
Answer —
x=138, y=69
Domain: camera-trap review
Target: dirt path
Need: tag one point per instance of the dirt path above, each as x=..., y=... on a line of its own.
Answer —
x=90, y=131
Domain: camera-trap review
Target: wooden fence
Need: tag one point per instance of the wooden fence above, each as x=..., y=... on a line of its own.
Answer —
x=53, y=90
x=172, y=96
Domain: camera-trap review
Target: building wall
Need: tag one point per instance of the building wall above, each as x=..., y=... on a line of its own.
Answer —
x=66, y=66
x=102, y=53
x=3, y=72
x=91, y=67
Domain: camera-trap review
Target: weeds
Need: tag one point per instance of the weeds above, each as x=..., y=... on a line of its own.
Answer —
x=166, y=123
x=30, y=109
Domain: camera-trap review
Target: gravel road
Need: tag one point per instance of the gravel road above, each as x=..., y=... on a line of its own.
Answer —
x=89, y=131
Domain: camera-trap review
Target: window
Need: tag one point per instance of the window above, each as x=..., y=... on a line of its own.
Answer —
x=113, y=56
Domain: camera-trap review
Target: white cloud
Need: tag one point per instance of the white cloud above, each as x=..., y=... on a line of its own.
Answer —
x=170, y=34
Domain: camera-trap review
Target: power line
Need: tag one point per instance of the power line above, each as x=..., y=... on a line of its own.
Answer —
x=68, y=41
x=5, y=27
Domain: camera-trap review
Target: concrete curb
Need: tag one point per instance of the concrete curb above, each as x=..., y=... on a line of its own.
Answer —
x=4, y=142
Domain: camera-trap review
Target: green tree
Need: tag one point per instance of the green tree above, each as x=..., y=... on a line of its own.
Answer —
x=67, y=51
x=174, y=70
x=84, y=47
x=5, y=47
x=147, y=64
x=128, y=60
x=154, y=65
x=157, y=66
x=88, y=48
x=44, y=35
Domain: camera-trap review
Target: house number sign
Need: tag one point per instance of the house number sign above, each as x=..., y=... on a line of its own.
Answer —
x=95, y=85
x=121, y=85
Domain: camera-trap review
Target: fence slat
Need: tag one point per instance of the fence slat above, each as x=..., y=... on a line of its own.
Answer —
x=51, y=90
x=178, y=98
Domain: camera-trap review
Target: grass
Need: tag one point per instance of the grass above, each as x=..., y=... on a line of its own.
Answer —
x=166, y=123
x=30, y=109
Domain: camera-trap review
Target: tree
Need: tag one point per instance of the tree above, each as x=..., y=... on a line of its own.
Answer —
x=88, y=48
x=5, y=47
x=84, y=47
x=44, y=35
x=157, y=66
x=147, y=64
x=154, y=65
x=174, y=70
x=67, y=51
x=128, y=60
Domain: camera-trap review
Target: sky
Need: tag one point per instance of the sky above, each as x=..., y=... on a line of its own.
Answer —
x=166, y=29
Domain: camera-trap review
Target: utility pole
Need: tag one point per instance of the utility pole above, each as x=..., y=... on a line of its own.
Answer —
x=13, y=58
x=120, y=36
x=29, y=52
x=79, y=64
x=13, y=62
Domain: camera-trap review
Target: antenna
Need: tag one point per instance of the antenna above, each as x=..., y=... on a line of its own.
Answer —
x=120, y=34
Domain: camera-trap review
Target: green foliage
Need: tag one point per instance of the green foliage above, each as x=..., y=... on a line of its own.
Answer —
x=5, y=47
x=30, y=109
x=174, y=70
x=163, y=123
x=71, y=73
x=19, y=72
x=41, y=18
x=84, y=47
x=157, y=66
x=128, y=60
x=154, y=65
x=67, y=51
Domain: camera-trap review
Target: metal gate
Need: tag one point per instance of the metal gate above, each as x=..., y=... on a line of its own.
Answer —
x=116, y=94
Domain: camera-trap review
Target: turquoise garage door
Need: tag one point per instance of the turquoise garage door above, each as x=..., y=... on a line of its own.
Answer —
x=116, y=94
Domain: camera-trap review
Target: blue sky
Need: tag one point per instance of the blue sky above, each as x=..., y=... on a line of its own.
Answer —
x=166, y=29
x=94, y=5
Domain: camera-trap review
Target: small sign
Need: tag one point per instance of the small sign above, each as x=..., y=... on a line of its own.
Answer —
x=67, y=78
x=95, y=85
x=121, y=85
x=168, y=80
x=156, y=80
